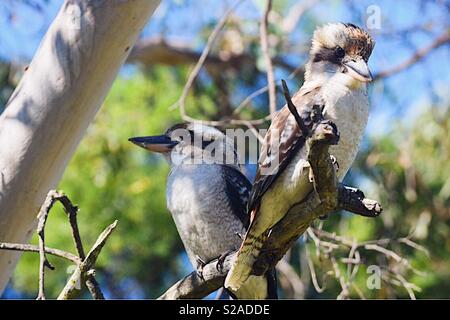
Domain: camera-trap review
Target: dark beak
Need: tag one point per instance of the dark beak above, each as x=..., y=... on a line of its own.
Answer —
x=159, y=144
x=358, y=69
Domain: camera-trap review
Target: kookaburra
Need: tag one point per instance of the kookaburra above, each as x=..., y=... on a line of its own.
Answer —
x=207, y=195
x=336, y=79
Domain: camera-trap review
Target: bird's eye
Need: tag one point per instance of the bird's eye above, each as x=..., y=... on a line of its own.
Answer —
x=339, y=52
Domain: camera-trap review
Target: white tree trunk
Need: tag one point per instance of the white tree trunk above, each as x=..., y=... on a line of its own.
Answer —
x=57, y=98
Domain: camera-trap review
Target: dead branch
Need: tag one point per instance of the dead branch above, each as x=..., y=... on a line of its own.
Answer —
x=194, y=73
x=416, y=57
x=43, y=261
x=86, y=266
x=391, y=274
x=268, y=61
x=324, y=199
x=295, y=14
x=157, y=50
x=32, y=248
x=288, y=275
x=72, y=211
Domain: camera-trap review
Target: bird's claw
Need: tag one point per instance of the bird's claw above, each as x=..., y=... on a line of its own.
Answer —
x=334, y=162
x=200, y=264
x=221, y=260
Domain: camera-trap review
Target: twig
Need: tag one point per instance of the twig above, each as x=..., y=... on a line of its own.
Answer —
x=358, y=291
x=260, y=91
x=337, y=273
x=266, y=55
x=32, y=248
x=43, y=261
x=254, y=131
x=292, y=277
x=296, y=12
x=312, y=271
x=414, y=245
x=194, y=73
x=73, y=283
x=417, y=56
x=158, y=50
x=72, y=211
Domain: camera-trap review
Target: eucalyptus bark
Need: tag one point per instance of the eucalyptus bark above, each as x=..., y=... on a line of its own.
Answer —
x=58, y=96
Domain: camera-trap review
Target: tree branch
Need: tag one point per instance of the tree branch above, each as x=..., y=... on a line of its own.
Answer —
x=83, y=262
x=43, y=261
x=85, y=267
x=268, y=61
x=72, y=211
x=417, y=56
x=32, y=248
x=194, y=73
x=157, y=50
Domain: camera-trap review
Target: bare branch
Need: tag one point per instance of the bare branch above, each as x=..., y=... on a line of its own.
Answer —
x=43, y=261
x=268, y=61
x=312, y=271
x=194, y=73
x=194, y=287
x=417, y=56
x=32, y=248
x=72, y=211
x=246, y=101
x=291, y=276
x=73, y=284
x=295, y=14
x=337, y=273
x=157, y=50
x=82, y=262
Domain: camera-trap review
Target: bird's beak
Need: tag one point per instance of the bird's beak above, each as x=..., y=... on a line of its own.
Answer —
x=159, y=144
x=358, y=69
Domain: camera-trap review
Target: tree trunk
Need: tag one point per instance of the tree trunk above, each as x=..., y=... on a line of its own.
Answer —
x=57, y=98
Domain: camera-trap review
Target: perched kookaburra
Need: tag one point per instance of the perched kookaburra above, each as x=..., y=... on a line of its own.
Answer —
x=336, y=79
x=207, y=195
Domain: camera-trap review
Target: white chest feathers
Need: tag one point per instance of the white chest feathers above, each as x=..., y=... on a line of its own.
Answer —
x=202, y=212
x=348, y=107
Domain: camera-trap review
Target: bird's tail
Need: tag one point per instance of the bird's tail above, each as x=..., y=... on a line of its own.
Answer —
x=243, y=263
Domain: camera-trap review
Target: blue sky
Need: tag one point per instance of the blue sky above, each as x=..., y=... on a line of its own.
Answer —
x=399, y=97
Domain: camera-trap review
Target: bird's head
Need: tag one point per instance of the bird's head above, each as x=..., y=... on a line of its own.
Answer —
x=340, y=49
x=191, y=143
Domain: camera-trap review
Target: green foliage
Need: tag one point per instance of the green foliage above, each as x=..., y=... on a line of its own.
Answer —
x=410, y=169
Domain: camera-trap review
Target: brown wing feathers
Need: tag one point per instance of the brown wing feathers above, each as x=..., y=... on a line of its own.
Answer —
x=293, y=123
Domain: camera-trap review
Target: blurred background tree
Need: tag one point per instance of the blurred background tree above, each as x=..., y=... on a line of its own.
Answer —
x=404, y=161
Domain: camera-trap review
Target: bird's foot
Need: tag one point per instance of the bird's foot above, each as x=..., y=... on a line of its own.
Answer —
x=200, y=264
x=334, y=162
x=221, y=260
